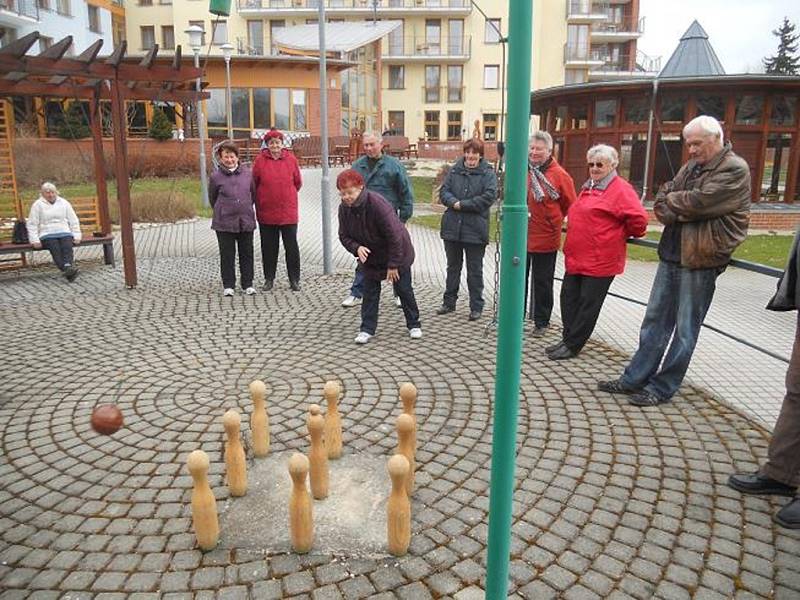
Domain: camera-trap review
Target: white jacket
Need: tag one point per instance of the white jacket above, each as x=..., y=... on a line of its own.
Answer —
x=47, y=219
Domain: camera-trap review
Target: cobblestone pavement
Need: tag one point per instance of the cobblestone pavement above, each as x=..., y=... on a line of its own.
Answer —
x=611, y=502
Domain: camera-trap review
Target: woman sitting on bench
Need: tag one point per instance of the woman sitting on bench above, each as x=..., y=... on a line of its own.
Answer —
x=53, y=224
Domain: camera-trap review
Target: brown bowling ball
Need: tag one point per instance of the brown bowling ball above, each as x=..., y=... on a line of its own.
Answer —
x=107, y=419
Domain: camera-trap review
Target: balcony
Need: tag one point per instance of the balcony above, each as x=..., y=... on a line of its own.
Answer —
x=443, y=94
x=385, y=9
x=586, y=11
x=617, y=32
x=412, y=49
x=243, y=48
x=577, y=56
x=619, y=67
x=16, y=13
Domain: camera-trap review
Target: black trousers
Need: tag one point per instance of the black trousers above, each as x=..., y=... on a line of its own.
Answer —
x=582, y=298
x=270, y=237
x=455, y=253
x=228, y=243
x=61, y=250
x=543, y=265
x=372, y=297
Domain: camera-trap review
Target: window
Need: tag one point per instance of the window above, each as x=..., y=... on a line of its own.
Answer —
x=148, y=34
x=749, y=109
x=632, y=153
x=168, y=37
x=561, y=118
x=577, y=42
x=453, y=124
x=396, y=46
x=776, y=167
x=455, y=37
x=491, y=77
x=713, y=106
x=433, y=75
x=219, y=33
x=145, y=2
x=274, y=26
x=432, y=125
x=490, y=127
x=201, y=25
x=280, y=99
x=397, y=122
x=490, y=35
x=578, y=117
x=255, y=38
x=397, y=77
x=455, y=81
x=605, y=113
x=299, y=109
x=673, y=108
x=62, y=6
x=636, y=109
x=574, y=76
x=433, y=37
x=784, y=109
x=261, y=108
x=44, y=4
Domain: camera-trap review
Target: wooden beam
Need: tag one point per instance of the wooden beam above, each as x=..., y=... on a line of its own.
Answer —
x=122, y=175
x=20, y=47
x=85, y=92
x=176, y=60
x=147, y=60
x=90, y=54
x=119, y=53
x=57, y=50
x=95, y=120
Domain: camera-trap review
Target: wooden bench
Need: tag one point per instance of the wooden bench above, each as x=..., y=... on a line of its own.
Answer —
x=399, y=146
x=308, y=151
x=88, y=212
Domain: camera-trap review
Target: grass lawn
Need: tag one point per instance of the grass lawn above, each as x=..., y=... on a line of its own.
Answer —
x=423, y=189
x=768, y=250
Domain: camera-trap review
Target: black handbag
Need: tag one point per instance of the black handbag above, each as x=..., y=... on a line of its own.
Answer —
x=20, y=233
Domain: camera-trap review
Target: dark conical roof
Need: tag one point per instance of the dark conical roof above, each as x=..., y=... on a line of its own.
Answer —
x=693, y=57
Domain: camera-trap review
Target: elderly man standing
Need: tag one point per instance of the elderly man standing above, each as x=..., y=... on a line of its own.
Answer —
x=385, y=175
x=705, y=210
x=551, y=191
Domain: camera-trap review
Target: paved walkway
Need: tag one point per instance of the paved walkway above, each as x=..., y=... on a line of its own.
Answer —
x=611, y=502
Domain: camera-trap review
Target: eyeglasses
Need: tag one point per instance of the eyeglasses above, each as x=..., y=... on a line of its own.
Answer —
x=599, y=165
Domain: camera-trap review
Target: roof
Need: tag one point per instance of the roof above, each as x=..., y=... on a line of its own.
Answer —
x=693, y=57
x=339, y=37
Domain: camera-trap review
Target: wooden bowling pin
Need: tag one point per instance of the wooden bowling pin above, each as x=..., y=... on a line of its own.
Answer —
x=333, y=421
x=405, y=430
x=408, y=394
x=317, y=455
x=398, y=508
x=204, y=505
x=301, y=524
x=259, y=420
x=236, y=469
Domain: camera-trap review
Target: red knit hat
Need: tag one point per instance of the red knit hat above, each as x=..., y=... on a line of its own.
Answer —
x=273, y=133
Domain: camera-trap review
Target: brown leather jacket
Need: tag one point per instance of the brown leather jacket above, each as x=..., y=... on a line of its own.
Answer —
x=714, y=209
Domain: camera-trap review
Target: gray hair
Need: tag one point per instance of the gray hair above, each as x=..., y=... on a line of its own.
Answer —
x=49, y=187
x=542, y=136
x=605, y=152
x=706, y=124
x=372, y=134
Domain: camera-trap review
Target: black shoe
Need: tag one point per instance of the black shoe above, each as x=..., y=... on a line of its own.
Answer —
x=615, y=386
x=268, y=285
x=444, y=309
x=70, y=273
x=645, y=398
x=474, y=315
x=295, y=286
x=753, y=483
x=554, y=347
x=789, y=515
x=540, y=330
x=561, y=353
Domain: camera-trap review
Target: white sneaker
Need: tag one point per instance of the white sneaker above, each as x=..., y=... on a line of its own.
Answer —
x=250, y=291
x=351, y=301
x=362, y=337
x=227, y=292
x=397, y=302
x=415, y=333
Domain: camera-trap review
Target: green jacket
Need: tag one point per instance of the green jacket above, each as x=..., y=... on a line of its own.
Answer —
x=390, y=180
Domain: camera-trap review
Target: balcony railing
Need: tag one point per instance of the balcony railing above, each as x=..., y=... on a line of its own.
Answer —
x=579, y=53
x=584, y=8
x=621, y=63
x=626, y=27
x=438, y=94
x=243, y=48
x=24, y=8
x=420, y=46
x=291, y=5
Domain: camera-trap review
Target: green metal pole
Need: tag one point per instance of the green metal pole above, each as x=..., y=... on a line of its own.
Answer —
x=512, y=288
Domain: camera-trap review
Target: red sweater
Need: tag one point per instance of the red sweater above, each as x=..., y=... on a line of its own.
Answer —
x=277, y=182
x=599, y=223
x=547, y=217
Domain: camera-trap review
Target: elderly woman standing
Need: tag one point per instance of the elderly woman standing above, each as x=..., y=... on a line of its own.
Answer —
x=606, y=214
x=468, y=192
x=230, y=193
x=276, y=177
x=53, y=224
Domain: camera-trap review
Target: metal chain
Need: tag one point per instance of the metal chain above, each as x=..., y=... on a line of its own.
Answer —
x=498, y=218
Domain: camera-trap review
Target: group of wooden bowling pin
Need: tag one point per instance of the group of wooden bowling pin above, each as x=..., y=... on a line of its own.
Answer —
x=326, y=443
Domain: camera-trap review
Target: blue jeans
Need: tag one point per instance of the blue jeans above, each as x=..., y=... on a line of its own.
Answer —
x=357, y=289
x=372, y=297
x=678, y=303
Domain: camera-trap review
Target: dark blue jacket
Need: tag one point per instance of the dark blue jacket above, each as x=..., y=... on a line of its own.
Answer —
x=232, y=197
x=390, y=180
x=476, y=190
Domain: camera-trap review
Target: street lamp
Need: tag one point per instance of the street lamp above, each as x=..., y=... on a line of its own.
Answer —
x=195, y=34
x=227, y=50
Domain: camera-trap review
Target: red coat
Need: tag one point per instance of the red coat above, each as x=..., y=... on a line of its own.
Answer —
x=277, y=182
x=599, y=223
x=547, y=217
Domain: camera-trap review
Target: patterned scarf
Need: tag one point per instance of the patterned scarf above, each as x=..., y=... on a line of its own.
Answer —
x=539, y=182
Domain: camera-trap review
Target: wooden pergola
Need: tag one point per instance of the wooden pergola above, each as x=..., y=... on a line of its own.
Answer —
x=94, y=79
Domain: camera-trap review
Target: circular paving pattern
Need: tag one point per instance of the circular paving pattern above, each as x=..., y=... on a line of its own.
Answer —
x=611, y=501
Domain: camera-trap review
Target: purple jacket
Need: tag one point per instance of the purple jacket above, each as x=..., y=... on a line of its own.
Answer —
x=232, y=198
x=373, y=222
